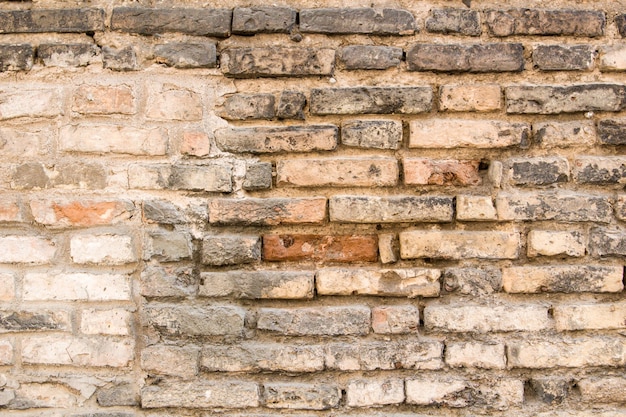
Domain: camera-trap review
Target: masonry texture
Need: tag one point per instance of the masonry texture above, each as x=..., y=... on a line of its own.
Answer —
x=312, y=208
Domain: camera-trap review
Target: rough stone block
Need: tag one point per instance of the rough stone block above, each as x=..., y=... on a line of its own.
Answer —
x=77, y=351
x=291, y=105
x=612, y=131
x=612, y=58
x=170, y=360
x=607, y=242
x=536, y=171
x=167, y=281
x=29, y=102
x=475, y=208
x=104, y=99
x=166, y=246
x=472, y=281
x=602, y=390
x=600, y=170
x=258, y=176
x=267, y=211
x=610, y=316
x=34, y=320
x=120, y=59
x=476, y=355
x=169, y=102
x=211, y=177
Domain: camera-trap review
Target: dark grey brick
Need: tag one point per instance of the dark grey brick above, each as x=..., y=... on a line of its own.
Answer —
x=494, y=57
x=187, y=55
x=16, y=57
x=145, y=21
x=557, y=206
x=70, y=55
x=251, y=20
x=222, y=250
x=370, y=57
x=458, y=21
x=118, y=395
x=375, y=100
x=584, y=23
x=258, y=176
x=276, y=62
x=564, y=57
x=195, y=321
x=548, y=99
x=120, y=59
x=163, y=212
x=472, y=281
x=600, y=169
x=620, y=21
x=59, y=20
x=266, y=139
x=607, y=242
x=551, y=390
x=612, y=131
x=291, y=105
x=357, y=20
x=537, y=171
x=26, y=321
x=249, y=106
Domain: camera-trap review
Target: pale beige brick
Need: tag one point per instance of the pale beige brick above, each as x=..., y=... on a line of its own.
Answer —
x=557, y=134
x=6, y=352
x=476, y=355
x=45, y=395
x=75, y=286
x=170, y=360
x=470, y=97
x=459, y=244
x=104, y=99
x=25, y=101
x=554, y=243
x=26, y=249
x=613, y=58
x=117, y=139
x=475, y=208
x=168, y=102
x=302, y=396
x=395, y=319
x=603, y=389
x=111, y=322
x=461, y=133
x=7, y=287
x=75, y=351
x=426, y=171
x=102, y=249
x=590, y=316
x=372, y=393
x=388, y=248
x=562, y=278
x=201, y=393
x=195, y=144
x=388, y=282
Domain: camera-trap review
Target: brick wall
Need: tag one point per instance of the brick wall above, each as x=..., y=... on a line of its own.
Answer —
x=392, y=209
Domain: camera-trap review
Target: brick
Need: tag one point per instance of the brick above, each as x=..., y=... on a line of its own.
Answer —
x=590, y=316
x=104, y=99
x=372, y=134
x=607, y=242
x=102, y=249
x=252, y=20
x=555, y=243
x=315, y=321
x=454, y=392
x=262, y=357
x=561, y=206
x=620, y=207
x=551, y=390
x=75, y=286
x=475, y=208
x=212, y=177
x=249, y=106
x=549, y=99
x=195, y=144
x=150, y=21
x=486, y=319
x=373, y=393
x=77, y=351
x=170, y=360
x=201, y=393
x=472, y=97
x=612, y=131
x=387, y=282
x=276, y=61
x=119, y=394
x=42, y=395
x=23, y=143
x=370, y=209
x=7, y=287
x=66, y=175
x=26, y=249
x=6, y=352
x=426, y=171
x=600, y=170
x=337, y=172
x=50, y=20
x=162, y=212
x=388, y=248
x=620, y=21
x=369, y=21
x=395, y=319
x=562, y=278
x=387, y=355
x=113, y=139
x=221, y=250
x=460, y=133
x=120, y=59
x=24, y=102
x=602, y=390
x=472, y=281
x=16, y=57
x=459, y=244
x=195, y=321
x=554, y=134
x=476, y=355
x=80, y=213
x=370, y=57
x=536, y=171
x=488, y=57
x=108, y=322
x=258, y=176
x=582, y=23
x=263, y=139
x=320, y=248
x=564, y=57
x=166, y=246
x=11, y=212
x=374, y=100
x=301, y=396
x=34, y=321
x=167, y=281
x=612, y=58
x=69, y=55
x=454, y=21
x=257, y=284
x=168, y=102
x=186, y=55
x=291, y=105
x=566, y=353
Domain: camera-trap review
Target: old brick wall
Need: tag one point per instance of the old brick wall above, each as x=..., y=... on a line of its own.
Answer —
x=298, y=208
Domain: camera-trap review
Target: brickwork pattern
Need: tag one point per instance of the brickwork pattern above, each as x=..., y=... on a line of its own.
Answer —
x=312, y=210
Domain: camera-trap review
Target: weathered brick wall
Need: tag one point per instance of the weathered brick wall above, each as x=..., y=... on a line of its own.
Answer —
x=394, y=209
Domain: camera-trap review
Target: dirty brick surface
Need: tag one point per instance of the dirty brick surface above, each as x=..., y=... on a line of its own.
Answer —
x=313, y=208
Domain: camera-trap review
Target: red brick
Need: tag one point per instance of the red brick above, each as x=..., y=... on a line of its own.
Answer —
x=346, y=248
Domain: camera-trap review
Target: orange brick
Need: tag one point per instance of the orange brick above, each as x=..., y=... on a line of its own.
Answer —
x=424, y=171
x=195, y=144
x=346, y=248
x=102, y=99
x=80, y=213
x=10, y=212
